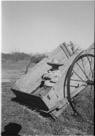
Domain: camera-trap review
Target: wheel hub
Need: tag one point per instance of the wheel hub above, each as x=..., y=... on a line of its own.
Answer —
x=90, y=82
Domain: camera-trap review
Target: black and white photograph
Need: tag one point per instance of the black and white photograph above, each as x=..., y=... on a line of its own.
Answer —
x=47, y=68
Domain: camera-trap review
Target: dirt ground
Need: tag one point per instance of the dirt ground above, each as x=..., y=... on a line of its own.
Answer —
x=24, y=121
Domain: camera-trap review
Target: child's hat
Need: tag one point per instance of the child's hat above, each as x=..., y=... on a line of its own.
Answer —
x=55, y=62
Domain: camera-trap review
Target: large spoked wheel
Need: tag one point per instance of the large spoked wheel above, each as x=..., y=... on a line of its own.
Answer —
x=80, y=85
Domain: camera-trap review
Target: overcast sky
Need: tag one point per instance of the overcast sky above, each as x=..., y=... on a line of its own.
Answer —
x=40, y=26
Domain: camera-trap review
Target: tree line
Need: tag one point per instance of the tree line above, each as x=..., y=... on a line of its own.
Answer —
x=18, y=56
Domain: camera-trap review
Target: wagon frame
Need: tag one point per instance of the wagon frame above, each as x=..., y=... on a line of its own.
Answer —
x=56, y=100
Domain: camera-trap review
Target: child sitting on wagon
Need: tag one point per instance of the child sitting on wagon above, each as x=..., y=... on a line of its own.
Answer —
x=51, y=76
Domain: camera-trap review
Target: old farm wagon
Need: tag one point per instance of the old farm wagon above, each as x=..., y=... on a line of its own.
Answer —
x=77, y=73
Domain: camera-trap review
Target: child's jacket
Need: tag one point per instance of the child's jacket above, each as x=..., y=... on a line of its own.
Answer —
x=51, y=77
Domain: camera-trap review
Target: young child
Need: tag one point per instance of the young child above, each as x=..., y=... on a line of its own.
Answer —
x=51, y=76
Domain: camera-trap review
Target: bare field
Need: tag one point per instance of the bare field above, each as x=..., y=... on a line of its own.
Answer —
x=29, y=120
x=12, y=71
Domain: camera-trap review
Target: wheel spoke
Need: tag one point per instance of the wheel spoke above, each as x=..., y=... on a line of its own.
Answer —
x=89, y=63
x=92, y=71
x=83, y=65
x=78, y=80
x=74, y=86
x=82, y=70
x=78, y=75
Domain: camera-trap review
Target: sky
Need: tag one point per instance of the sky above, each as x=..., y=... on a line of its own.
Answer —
x=41, y=26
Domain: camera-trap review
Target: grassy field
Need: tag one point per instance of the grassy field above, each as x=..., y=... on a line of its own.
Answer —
x=13, y=71
x=25, y=121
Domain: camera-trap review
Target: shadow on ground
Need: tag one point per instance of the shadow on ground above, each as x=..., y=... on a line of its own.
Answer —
x=12, y=129
x=33, y=107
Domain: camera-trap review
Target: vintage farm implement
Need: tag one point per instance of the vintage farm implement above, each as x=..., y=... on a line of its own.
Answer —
x=77, y=74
